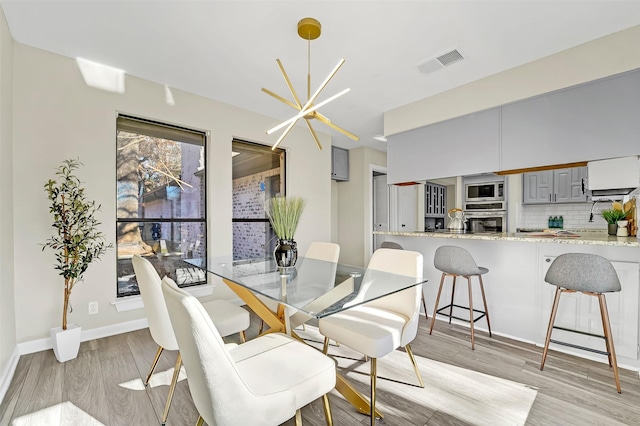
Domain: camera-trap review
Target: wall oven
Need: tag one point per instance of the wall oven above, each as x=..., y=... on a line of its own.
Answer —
x=480, y=222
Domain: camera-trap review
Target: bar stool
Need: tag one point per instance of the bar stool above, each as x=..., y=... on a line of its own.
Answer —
x=396, y=246
x=592, y=275
x=457, y=262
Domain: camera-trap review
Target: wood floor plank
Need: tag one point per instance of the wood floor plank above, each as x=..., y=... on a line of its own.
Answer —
x=13, y=392
x=84, y=391
x=41, y=394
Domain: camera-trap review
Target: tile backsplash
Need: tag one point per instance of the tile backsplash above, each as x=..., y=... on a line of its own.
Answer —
x=575, y=216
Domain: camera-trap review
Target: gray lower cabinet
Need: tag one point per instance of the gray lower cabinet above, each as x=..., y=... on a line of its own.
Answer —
x=555, y=186
x=339, y=163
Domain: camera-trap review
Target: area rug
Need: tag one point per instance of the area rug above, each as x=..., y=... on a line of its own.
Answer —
x=452, y=394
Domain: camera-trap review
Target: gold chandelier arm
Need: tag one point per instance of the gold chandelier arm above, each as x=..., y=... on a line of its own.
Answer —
x=289, y=85
x=313, y=133
x=281, y=99
x=324, y=83
x=284, y=134
x=306, y=111
x=328, y=122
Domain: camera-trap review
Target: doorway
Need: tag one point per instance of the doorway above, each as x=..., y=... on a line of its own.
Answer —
x=380, y=207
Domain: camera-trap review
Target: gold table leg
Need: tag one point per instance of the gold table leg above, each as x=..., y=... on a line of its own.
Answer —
x=277, y=324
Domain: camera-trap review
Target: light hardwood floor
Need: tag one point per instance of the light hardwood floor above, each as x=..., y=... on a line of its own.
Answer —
x=103, y=385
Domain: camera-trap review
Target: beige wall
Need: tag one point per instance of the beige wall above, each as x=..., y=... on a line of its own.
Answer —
x=57, y=116
x=355, y=221
x=7, y=306
x=613, y=54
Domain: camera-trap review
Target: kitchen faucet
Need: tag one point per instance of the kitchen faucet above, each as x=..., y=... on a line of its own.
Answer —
x=594, y=204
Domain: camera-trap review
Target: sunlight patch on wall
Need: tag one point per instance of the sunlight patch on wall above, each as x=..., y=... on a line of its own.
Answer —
x=101, y=76
x=168, y=96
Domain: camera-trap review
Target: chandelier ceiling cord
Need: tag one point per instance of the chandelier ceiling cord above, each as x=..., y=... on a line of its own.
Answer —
x=308, y=29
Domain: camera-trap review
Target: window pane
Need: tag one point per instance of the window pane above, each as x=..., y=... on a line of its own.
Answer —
x=161, y=208
x=171, y=242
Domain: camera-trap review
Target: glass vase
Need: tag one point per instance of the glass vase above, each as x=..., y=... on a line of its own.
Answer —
x=285, y=253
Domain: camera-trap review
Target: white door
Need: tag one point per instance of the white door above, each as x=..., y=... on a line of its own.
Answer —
x=380, y=208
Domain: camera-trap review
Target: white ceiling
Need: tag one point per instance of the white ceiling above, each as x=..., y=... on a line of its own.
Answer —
x=226, y=50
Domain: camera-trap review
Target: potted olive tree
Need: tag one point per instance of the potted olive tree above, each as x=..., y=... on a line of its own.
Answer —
x=284, y=214
x=76, y=242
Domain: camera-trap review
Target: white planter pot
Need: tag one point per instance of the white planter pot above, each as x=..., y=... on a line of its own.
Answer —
x=66, y=343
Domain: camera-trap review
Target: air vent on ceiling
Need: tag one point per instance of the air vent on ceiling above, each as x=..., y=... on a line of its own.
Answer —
x=439, y=62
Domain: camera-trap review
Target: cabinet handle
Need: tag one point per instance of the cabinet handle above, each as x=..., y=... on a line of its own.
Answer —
x=547, y=260
x=549, y=196
x=582, y=185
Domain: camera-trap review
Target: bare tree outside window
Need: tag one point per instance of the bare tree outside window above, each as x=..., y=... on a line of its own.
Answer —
x=161, y=212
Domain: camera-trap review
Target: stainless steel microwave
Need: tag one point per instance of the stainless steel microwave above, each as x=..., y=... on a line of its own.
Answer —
x=484, y=191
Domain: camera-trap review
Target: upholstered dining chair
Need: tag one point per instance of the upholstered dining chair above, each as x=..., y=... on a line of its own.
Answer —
x=392, y=245
x=379, y=327
x=328, y=252
x=229, y=319
x=264, y=381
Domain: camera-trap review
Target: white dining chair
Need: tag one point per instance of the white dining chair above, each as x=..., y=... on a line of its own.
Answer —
x=265, y=381
x=392, y=245
x=379, y=327
x=228, y=317
x=306, y=274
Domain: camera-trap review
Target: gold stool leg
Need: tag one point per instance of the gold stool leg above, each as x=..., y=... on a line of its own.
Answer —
x=153, y=365
x=484, y=300
x=606, y=325
x=172, y=388
x=298, y=417
x=374, y=374
x=473, y=337
x=327, y=409
x=552, y=319
x=325, y=346
x=200, y=421
x=415, y=365
x=435, y=308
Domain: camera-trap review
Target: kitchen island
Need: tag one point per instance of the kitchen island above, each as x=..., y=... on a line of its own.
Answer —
x=520, y=301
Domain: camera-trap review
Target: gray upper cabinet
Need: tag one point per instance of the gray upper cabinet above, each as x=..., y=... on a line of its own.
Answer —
x=465, y=145
x=339, y=163
x=574, y=124
x=435, y=200
x=555, y=186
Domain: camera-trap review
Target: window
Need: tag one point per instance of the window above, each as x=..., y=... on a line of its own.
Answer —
x=161, y=207
x=258, y=175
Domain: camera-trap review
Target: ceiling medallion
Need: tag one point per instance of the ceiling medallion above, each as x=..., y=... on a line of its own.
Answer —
x=308, y=29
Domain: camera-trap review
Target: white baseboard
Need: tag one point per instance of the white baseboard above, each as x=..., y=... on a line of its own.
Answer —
x=7, y=373
x=94, y=333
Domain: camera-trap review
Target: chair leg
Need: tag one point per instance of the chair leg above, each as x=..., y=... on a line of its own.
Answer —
x=552, y=319
x=435, y=308
x=424, y=305
x=153, y=364
x=298, y=417
x=415, y=365
x=374, y=374
x=327, y=409
x=484, y=300
x=606, y=325
x=453, y=291
x=172, y=388
x=243, y=337
x=200, y=421
x=325, y=346
x=473, y=337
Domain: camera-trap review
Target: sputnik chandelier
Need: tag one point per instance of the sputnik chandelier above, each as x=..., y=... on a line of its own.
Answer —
x=308, y=29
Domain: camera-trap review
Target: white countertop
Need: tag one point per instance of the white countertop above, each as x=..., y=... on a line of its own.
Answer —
x=590, y=237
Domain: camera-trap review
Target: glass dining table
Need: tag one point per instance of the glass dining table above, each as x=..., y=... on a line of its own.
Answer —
x=312, y=289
